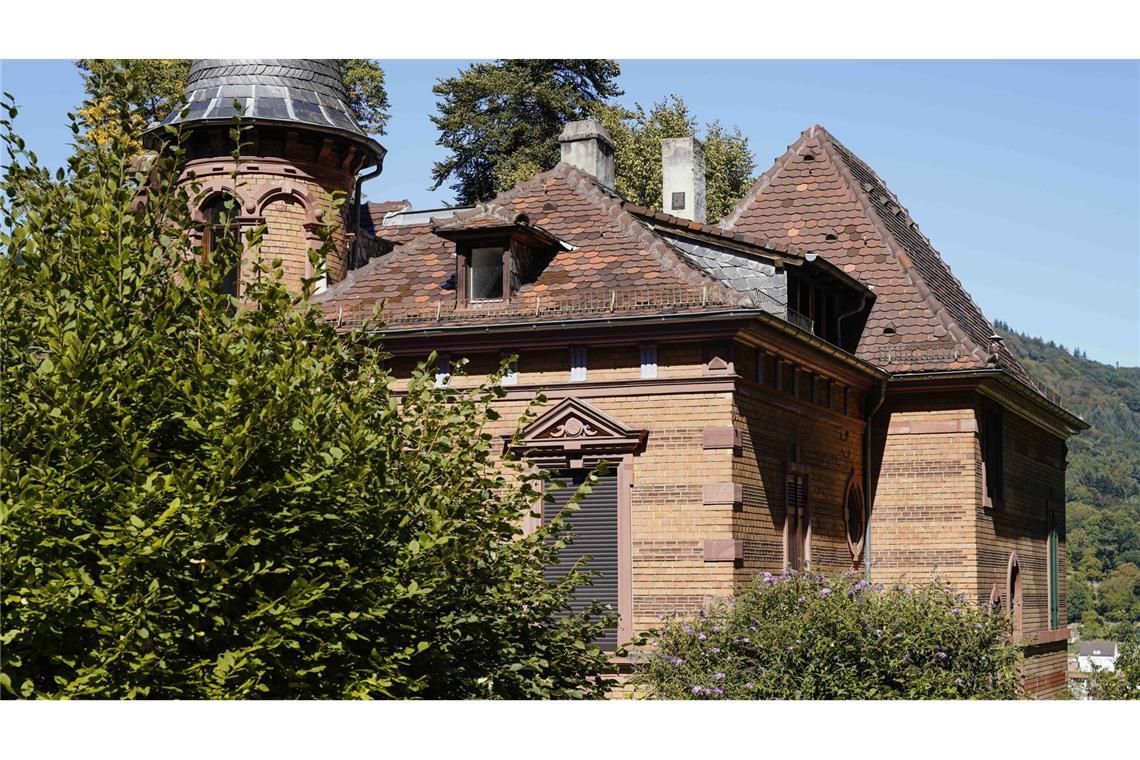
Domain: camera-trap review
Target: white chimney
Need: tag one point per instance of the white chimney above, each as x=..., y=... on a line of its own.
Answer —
x=683, y=178
x=587, y=145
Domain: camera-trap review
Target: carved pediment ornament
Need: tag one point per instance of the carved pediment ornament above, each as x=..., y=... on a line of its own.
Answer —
x=573, y=427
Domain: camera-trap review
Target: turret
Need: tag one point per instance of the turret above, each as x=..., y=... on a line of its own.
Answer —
x=303, y=145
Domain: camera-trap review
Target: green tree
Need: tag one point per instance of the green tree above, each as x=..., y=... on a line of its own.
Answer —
x=155, y=89
x=500, y=121
x=205, y=499
x=1123, y=682
x=637, y=134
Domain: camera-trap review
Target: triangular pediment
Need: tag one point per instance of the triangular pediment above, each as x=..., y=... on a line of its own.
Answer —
x=573, y=420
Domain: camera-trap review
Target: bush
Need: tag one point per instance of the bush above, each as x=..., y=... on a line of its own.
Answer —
x=802, y=636
x=210, y=500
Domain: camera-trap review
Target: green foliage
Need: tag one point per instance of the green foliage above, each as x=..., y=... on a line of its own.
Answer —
x=367, y=96
x=206, y=499
x=1102, y=481
x=637, y=135
x=500, y=121
x=810, y=637
x=1124, y=681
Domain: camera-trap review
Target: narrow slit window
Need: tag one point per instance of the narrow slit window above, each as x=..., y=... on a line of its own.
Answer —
x=649, y=361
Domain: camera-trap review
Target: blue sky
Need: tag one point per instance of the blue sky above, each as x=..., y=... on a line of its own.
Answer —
x=1024, y=174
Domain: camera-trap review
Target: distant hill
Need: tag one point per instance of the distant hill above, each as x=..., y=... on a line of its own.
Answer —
x=1103, y=479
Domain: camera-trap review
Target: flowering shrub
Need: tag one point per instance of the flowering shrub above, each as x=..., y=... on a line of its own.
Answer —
x=803, y=636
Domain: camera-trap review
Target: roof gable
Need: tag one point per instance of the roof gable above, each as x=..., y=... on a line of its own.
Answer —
x=821, y=196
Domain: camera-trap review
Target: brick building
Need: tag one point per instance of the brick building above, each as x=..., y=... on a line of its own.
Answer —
x=803, y=384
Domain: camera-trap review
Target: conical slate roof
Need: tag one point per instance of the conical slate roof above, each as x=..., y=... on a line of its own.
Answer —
x=305, y=92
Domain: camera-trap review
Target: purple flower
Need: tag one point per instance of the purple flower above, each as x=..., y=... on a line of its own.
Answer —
x=749, y=685
x=716, y=629
x=799, y=641
x=688, y=629
x=743, y=640
x=752, y=628
x=768, y=578
x=716, y=690
x=959, y=681
x=701, y=612
x=803, y=598
x=718, y=676
x=714, y=650
x=791, y=649
x=702, y=637
x=878, y=631
x=825, y=592
x=941, y=655
x=977, y=625
x=955, y=611
x=674, y=660
x=861, y=585
x=697, y=690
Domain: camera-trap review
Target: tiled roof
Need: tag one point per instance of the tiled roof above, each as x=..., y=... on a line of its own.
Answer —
x=615, y=263
x=821, y=197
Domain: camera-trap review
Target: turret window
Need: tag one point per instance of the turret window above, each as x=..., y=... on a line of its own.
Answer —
x=220, y=225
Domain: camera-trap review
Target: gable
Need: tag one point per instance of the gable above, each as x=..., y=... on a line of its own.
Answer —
x=822, y=197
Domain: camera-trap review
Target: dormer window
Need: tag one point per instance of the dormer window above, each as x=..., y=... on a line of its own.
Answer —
x=495, y=257
x=485, y=274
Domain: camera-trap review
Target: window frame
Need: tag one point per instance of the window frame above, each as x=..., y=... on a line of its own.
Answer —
x=797, y=548
x=855, y=488
x=211, y=210
x=1053, y=569
x=991, y=430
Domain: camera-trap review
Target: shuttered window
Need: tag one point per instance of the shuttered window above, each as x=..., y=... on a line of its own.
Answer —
x=993, y=466
x=594, y=529
x=1054, y=575
x=797, y=521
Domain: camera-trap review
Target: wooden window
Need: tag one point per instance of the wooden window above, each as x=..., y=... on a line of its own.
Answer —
x=993, y=466
x=1013, y=603
x=1054, y=573
x=485, y=274
x=578, y=358
x=511, y=376
x=855, y=515
x=648, y=361
x=220, y=227
x=797, y=516
x=442, y=370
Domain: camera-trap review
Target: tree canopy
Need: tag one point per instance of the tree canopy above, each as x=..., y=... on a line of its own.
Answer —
x=637, y=134
x=204, y=498
x=500, y=121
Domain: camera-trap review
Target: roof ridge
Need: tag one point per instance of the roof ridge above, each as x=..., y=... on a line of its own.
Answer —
x=938, y=309
x=764, y=180
x=983, y=353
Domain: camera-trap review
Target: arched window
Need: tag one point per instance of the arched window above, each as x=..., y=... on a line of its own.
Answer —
x=1013, y=593
x=219, y=215
x=855, y=515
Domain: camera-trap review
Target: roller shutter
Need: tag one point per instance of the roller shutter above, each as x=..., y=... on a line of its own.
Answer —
x=595, y=534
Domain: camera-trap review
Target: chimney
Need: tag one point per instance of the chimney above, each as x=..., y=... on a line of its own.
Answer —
x=587, y=145
x=683, y=178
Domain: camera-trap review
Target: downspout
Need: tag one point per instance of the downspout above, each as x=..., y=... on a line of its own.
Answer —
x=353, y=260
x=867, y=477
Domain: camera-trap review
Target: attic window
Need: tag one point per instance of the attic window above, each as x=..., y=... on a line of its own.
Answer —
x=485, y=274
x=888, y=331
x=809, y=157
x=831, y=237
